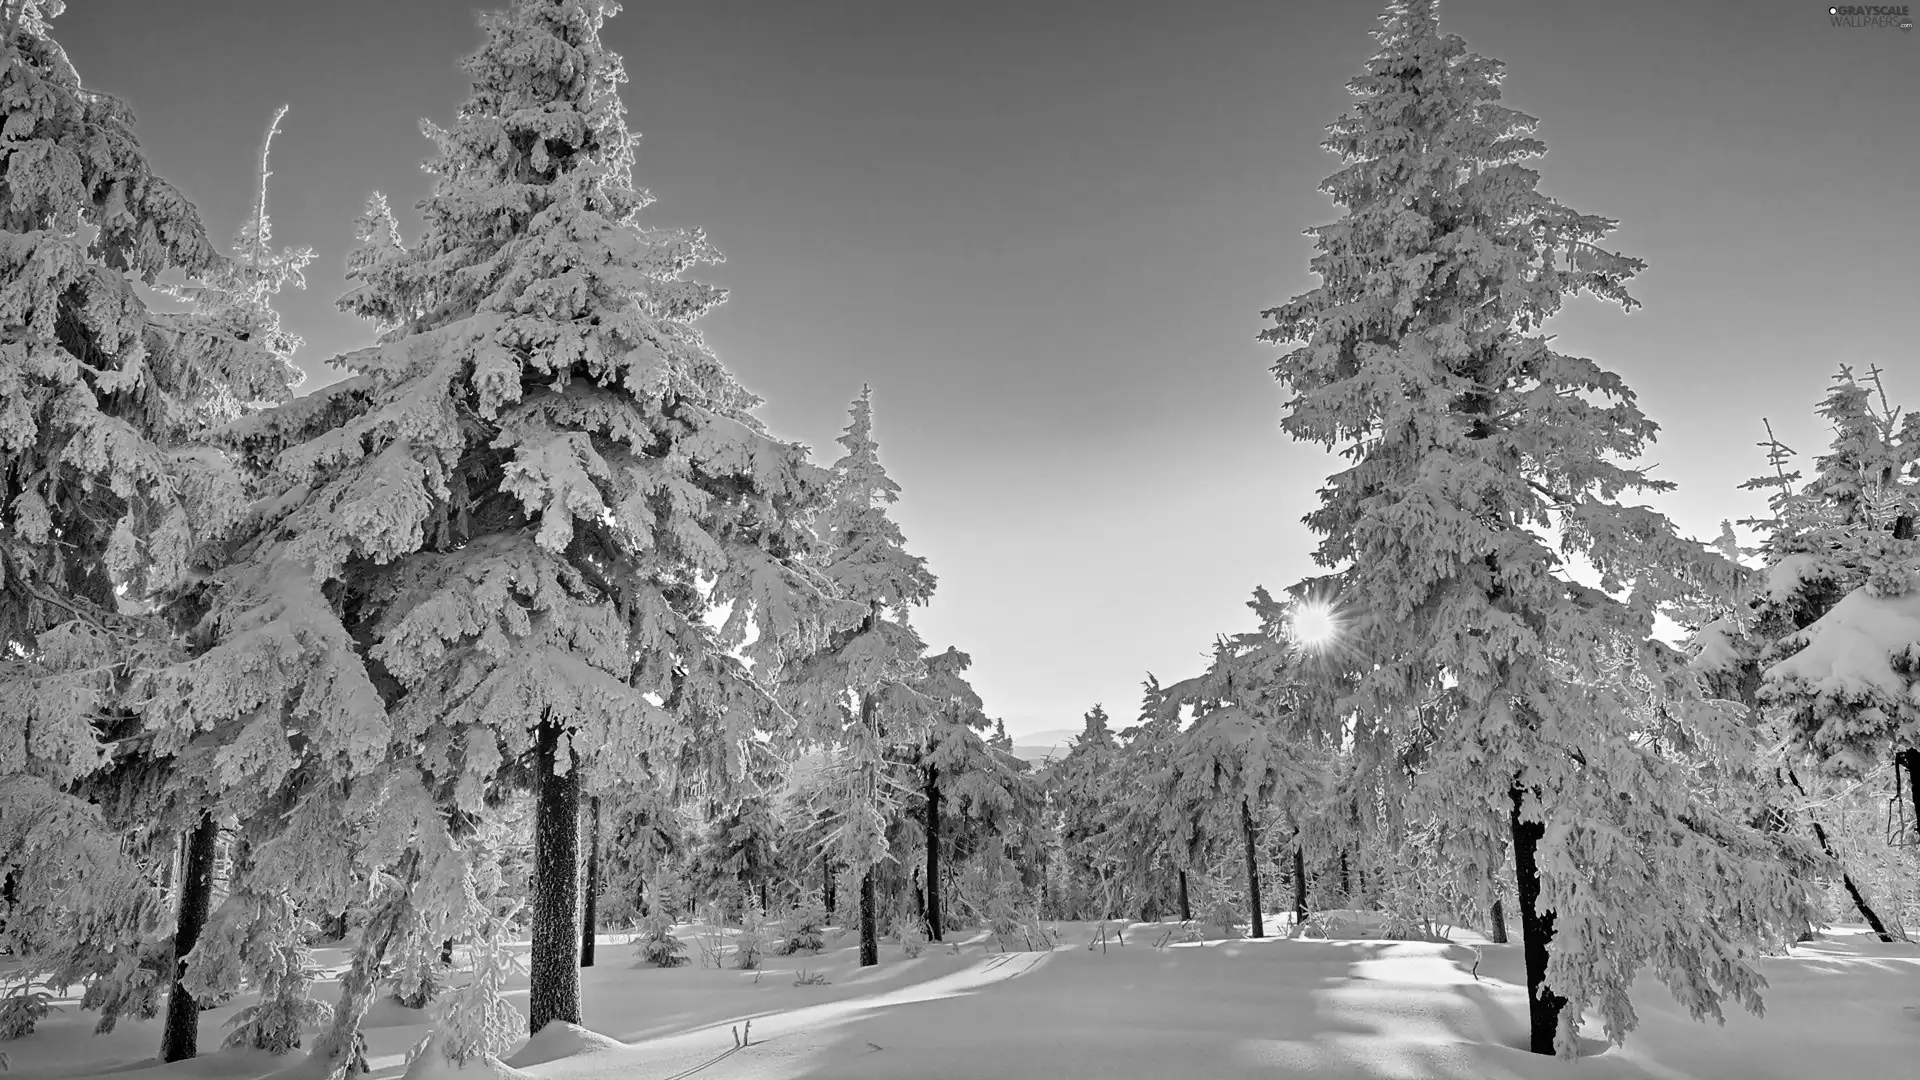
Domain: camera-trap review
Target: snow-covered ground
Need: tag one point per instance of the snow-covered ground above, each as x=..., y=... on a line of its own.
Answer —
x=1845, y=1006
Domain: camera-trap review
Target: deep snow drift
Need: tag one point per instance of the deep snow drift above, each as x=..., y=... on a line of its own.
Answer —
x=1845, y=1005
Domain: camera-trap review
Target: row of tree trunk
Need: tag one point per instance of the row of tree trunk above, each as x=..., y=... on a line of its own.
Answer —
x=564, y=926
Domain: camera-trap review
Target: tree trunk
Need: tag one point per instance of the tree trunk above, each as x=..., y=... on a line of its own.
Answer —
x=1497, y=924
x=869, y=925
x=1299, y=885
x=9, y=893
x=1536, y=928
x=180, y=1038
x=1909, y=759
x=826, y=884
x=1257, y=928
x=553, y=964
x=1346, y=881
x=341, y=1050
x=338, y=928
x=934, y=926
x=590, y=906
x=1186, y=908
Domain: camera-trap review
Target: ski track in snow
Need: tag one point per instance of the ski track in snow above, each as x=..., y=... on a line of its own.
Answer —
x=788, y=1036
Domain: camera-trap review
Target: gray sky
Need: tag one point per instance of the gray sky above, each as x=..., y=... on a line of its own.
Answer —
x=1044, y=231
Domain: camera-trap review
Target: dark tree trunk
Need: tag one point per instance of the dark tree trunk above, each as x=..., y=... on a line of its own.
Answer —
x=590, y=906
x=1909, y=759
x=554, y=959
x=826, y=884
x=1258, y=927
x=1186, y=908
x=1536, y=929
x=446, y=952
x=764, y=903
x=1299, y=885
x=9, y=893
x=1346, y=882
x=1497, y=924
x=338, y=928
x=180, y=1038
x=934, y=926
x=869, y=925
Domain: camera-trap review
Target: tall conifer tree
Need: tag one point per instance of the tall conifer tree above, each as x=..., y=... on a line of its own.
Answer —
x=856, y=694
x=509, y=526
x=112, y=503
x=1420, y=357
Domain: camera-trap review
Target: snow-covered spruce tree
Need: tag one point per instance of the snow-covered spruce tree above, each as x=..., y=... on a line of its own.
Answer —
x=1244, y=750
x=109, y=499
x=1848, y=679
x=855, y=694
x=958, y=769
x=1144, y=815
x=738, y=853
x=1419, y=355
x=1817, y=547
x=1079, y=793
x=259, y=934
x=518, y=511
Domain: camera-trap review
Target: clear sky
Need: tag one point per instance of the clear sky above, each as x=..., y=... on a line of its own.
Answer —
x=1044, y=231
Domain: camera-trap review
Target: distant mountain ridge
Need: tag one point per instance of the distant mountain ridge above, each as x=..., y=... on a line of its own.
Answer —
x=1040, y=745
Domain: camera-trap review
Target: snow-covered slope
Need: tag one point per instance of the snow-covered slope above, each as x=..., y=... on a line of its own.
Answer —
x=1357, y=1009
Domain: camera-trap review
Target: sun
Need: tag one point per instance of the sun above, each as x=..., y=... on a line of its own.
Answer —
x=1314, y=625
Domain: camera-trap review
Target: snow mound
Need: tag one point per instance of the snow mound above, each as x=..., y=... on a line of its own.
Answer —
x=433, y=1065
x=1849, y=651
x=560, y=1039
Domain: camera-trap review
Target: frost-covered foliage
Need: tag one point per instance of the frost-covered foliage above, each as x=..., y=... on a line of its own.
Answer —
x=476, y=1020
x=264, y=937
x=657, y=944
x=739, y=851
x=510, y=523
x=806, y=931
x=113, y=504
x=1481, y=461
x=1149, y=814
x=1079, y=793
x=1837, y=628
x=855, y=695
x=1220, y=900
x=1820, y=641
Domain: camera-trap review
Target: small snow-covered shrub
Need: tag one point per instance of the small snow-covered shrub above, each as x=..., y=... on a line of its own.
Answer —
x=477, y=1020
x=754, y=939
x=20, y=1011
x=1399, y=926
x=1325, y=925
x=1219, y=906
x=658, y=944
x=810, y=978
x=913, y=940
x=418, y=976
x=806, y=929
x=711, y=937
